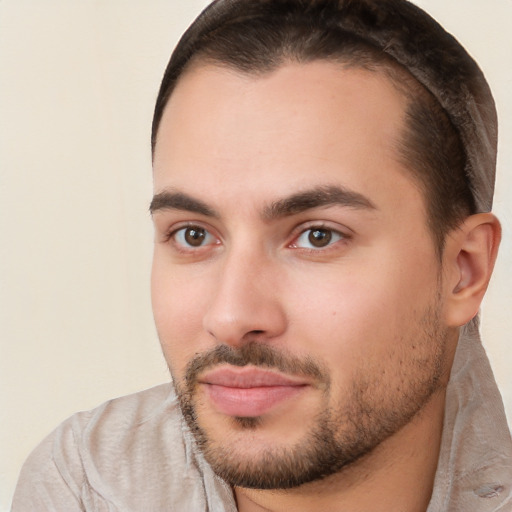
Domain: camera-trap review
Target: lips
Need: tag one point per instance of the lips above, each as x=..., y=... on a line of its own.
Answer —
x=249, y=392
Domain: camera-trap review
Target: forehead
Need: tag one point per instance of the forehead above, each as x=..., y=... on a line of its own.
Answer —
x=288, y=128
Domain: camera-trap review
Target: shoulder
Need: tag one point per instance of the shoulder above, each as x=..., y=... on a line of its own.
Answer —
x=105, y=454
x=118, y=424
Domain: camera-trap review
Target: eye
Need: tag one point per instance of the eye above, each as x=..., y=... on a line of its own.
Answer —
x=193, y=236
x=317, y=238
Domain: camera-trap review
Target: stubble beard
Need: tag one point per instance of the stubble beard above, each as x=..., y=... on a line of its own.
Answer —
x=340, y=434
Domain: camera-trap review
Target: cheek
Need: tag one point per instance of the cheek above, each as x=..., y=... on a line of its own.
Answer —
x=178, y=309
x=339, y=323
x=364, y=311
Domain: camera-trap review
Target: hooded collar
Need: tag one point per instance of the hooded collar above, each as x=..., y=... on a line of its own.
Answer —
x=475, y=462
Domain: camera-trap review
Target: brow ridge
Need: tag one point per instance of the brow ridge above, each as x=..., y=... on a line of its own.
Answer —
x=170, y=200
x=294, y=204
x=316, y=198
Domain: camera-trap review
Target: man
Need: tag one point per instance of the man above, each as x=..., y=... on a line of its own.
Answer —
x=323, y=179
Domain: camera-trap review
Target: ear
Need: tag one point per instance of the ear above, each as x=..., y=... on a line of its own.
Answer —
x=468, y=260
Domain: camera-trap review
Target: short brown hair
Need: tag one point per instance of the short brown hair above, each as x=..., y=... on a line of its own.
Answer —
x=258, y=36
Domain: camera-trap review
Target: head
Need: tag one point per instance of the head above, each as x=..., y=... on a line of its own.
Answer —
x=312, y=197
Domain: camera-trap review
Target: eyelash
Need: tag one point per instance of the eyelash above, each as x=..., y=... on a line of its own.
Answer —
x=342, y=237
x=299, y=232
x=333, y=237
x=171, y=235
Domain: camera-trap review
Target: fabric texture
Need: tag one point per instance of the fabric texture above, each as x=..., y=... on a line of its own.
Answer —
x=135, y=453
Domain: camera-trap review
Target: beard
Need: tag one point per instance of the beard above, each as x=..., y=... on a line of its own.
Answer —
x=344, y=431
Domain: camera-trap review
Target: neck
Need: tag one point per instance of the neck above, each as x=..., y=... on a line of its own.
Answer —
x=398, y=475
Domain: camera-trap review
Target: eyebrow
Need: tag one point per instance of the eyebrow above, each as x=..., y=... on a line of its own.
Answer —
x=317, y=198
x=292, y=205
x=169, y=200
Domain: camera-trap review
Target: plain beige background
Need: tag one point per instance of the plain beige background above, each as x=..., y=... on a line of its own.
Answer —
x=78, y=79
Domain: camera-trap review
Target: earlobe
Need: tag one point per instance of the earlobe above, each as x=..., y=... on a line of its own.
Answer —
x=469, y=256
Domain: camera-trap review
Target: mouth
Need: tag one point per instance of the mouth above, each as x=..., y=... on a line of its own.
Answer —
x=249, y=392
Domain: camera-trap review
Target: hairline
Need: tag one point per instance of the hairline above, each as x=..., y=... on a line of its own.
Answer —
x=405, y=84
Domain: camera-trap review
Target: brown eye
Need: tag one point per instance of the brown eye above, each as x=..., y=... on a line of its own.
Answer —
x=319, y=237
x=193, y=236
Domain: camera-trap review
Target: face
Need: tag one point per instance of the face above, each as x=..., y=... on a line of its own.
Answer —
x=296, y=288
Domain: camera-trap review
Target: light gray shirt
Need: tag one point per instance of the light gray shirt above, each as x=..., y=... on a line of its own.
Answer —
x=136, y=454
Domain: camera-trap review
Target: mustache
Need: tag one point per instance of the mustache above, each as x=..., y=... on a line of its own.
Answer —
x=256, y=354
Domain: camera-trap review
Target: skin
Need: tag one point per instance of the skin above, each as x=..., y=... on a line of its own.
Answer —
x=374, y=309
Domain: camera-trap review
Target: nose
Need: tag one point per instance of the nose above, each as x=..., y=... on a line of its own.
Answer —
x=245, y=304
